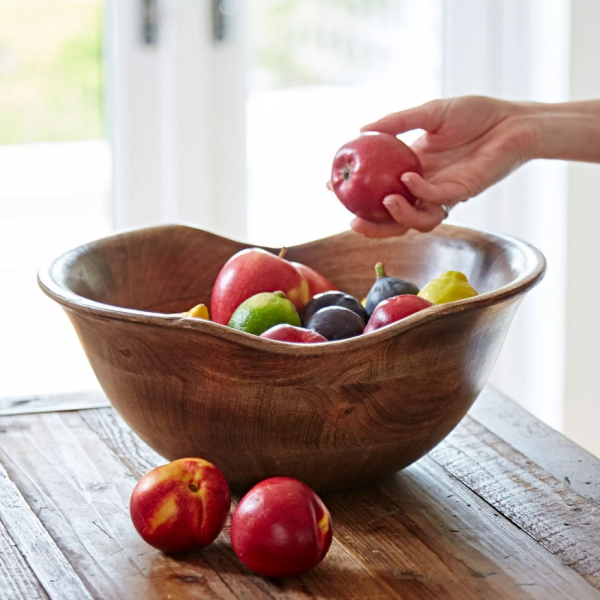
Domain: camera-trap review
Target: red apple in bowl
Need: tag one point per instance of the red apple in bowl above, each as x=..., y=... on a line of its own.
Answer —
x=294, y=335
x=181, y=506
x=253, y=271
x=367, y=169
x=395, y=309
x=317, y=283
x=281, y=528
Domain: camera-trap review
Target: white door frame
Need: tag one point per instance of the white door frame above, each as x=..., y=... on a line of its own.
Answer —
x=176, y=113
x=522, y=54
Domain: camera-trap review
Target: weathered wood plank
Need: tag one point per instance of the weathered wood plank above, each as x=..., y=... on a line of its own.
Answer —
x=548, y=509
x=82, y=492
x=428, y=536
x=543, y=445
x=325, y=581
x=421, y=535
x=17, y=581
x=19, y=405
x=35, y=544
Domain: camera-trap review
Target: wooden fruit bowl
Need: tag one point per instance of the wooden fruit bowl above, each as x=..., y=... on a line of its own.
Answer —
x=332, y=415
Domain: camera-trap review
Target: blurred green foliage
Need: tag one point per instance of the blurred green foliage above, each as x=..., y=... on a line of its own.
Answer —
x=50, y=70
x=310, y=42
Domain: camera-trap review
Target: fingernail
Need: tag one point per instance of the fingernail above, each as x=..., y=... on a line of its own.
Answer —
x=405, y=177
x=390, y=203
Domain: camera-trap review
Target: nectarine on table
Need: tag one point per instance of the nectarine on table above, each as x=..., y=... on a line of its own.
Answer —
x=281, y=528
x=181, y=506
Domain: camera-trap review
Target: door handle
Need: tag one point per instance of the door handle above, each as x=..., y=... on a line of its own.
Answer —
x=222, y=11
x=150, y=22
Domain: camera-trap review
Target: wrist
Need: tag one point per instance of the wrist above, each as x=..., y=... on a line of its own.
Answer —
x=568, y=131
x=530, y=125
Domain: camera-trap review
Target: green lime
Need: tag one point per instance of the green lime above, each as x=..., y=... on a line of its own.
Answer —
x=448, y=287
x=263, y=311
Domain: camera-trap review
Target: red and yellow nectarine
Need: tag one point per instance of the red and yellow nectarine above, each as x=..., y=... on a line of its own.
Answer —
x=181, y=506
x=281, y=528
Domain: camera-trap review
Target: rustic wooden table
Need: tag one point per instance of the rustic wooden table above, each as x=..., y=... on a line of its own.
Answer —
x=504, y=508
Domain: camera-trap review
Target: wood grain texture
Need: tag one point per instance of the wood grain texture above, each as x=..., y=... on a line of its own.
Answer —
x=548, y=509
x=20, y=405
x=552, y=451
x=80, y=490
x=333, y=415
x=421, y=534
x=17, y=581
x=51, y=568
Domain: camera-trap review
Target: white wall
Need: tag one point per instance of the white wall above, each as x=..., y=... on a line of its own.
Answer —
x=176, y=157
x=519, y=50
x=582, y=395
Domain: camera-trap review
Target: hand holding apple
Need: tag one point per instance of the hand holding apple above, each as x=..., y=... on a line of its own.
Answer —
x=281, y=528
x=369, y=168
x=181, y=506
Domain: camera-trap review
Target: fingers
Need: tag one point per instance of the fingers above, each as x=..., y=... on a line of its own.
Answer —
x=449, y=192
x=377, y=230
x=422, y=217
x=428, y=116
x=329, y=186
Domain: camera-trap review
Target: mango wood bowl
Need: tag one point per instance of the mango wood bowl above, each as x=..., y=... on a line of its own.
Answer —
x=332, y=415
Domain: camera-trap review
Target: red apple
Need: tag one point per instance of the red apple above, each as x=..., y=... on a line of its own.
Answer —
x=368, y=169
x=252, y=272
x=281, y=528
x=181, y=506
x=395, y=309
x=294, y=335
x=317, y=283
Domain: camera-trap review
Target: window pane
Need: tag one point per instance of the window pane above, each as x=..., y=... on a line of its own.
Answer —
x=50, y=70
x=55, y=177
x=319, y=70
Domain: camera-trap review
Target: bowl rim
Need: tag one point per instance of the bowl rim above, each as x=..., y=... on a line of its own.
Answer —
x=532, y=273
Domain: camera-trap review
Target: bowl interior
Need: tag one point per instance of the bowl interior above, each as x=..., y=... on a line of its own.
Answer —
x=171, y=268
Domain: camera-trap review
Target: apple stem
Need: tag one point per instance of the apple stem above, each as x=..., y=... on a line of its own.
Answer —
x=282, y=252
x=379, y=270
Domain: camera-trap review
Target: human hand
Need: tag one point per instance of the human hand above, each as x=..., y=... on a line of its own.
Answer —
x=469, y=144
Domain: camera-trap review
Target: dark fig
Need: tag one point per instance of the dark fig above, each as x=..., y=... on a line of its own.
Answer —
x=387, y=287
x=336, y=323
x=333, y=298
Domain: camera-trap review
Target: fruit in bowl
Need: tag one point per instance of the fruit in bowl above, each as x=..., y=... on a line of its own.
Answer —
x=387, y=287
x=293, y=335
x=395, y=309
x=336, y=323
x=181, y=506
x=263, y=311
x=251, y=272
x=317, y=283
x=258, y=409
x=369, y=168
x=448, y=287
x=333, y=298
